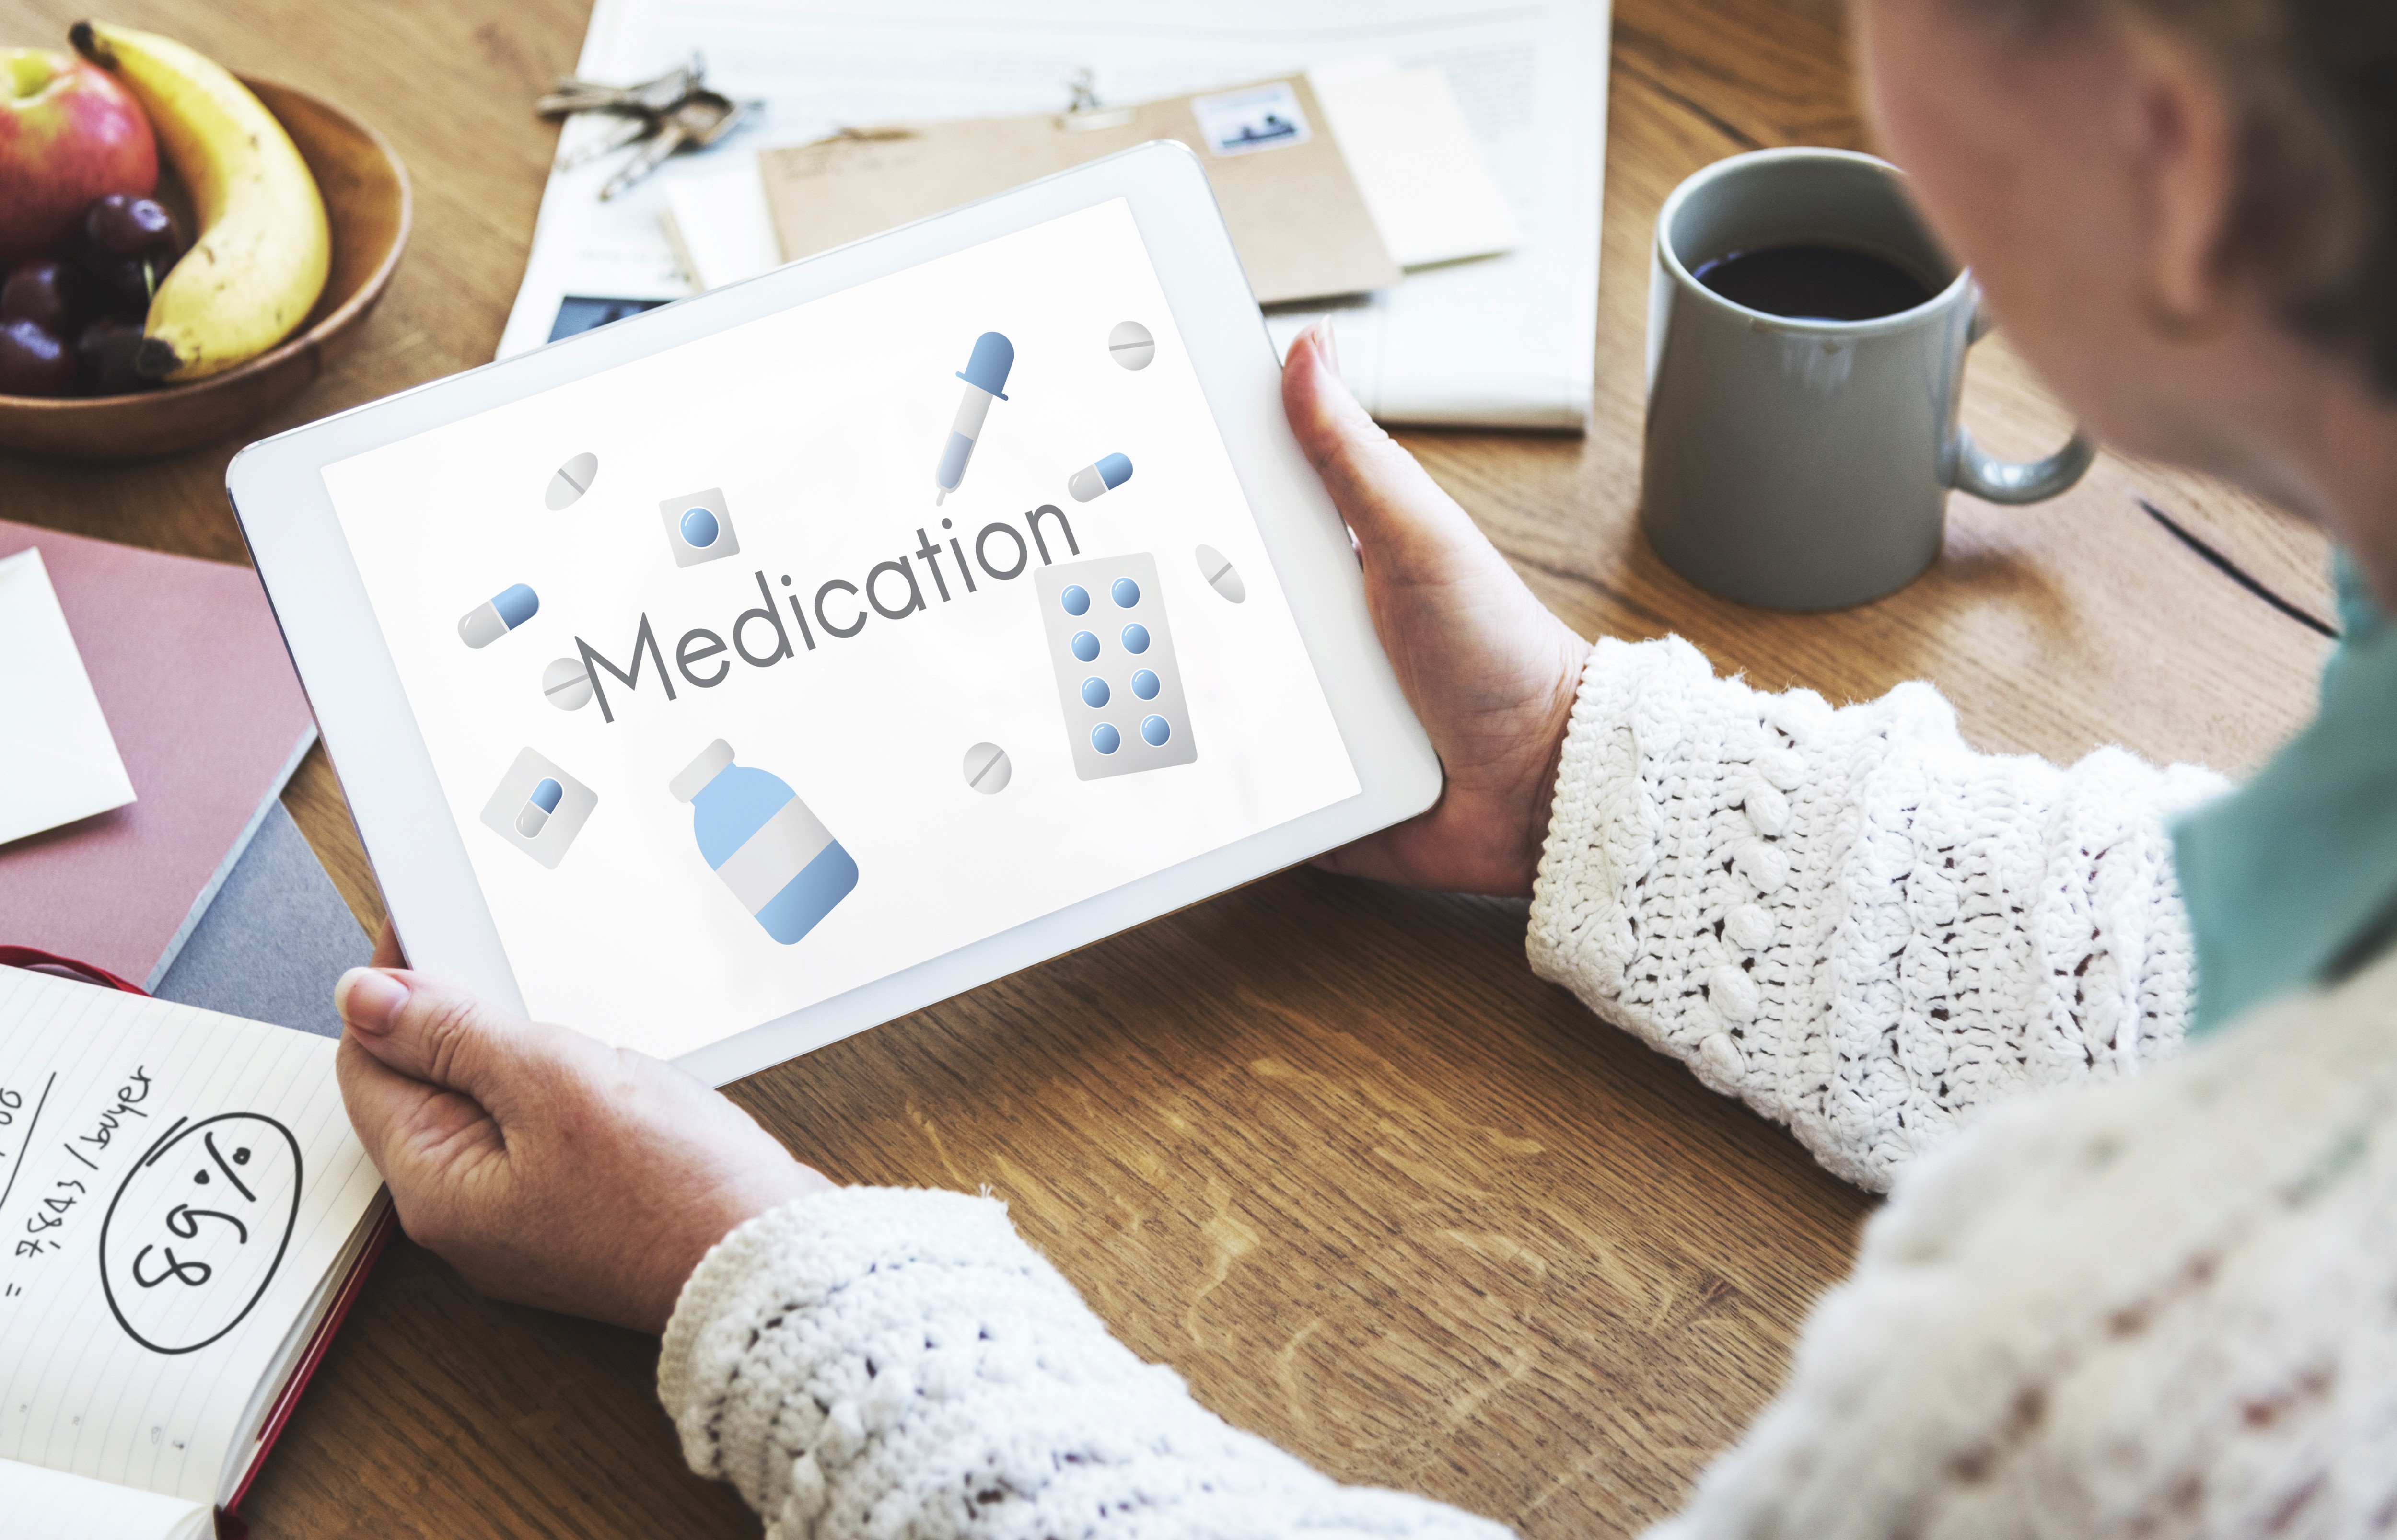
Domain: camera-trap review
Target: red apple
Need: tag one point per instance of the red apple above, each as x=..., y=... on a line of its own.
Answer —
x=68, y=133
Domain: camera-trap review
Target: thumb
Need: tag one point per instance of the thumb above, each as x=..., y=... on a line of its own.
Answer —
x=442, y=1038
x=1391, y=502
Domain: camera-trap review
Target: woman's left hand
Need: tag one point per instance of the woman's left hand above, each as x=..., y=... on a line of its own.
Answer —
x=547, y=1167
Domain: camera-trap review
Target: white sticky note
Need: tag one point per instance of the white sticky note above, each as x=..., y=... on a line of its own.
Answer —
x=1424, y=178
x=58, y=761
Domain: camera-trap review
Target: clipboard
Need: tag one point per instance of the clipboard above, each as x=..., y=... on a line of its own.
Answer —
x=1297, y=219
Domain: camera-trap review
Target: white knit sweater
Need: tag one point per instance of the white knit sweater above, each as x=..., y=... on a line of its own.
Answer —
x=2159, y=1306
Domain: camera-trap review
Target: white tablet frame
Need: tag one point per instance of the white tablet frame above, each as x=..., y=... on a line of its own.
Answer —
x=418, y=855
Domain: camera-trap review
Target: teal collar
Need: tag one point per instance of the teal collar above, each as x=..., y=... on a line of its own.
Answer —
x=2292, y=880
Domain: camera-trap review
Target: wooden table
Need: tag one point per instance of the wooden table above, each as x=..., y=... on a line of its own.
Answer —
x=1326, y=1148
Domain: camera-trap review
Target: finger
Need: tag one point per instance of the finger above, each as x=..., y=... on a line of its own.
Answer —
x=447, y=1038
x=414, y=1132
x=387, y=953
x=1387, y=498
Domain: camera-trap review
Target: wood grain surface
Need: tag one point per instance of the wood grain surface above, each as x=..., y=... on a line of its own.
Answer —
x=1326, y=1148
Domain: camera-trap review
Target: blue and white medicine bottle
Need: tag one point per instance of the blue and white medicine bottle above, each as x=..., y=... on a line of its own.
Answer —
x=780, y=860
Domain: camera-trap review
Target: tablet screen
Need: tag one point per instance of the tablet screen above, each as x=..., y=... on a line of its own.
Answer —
x=778, y=662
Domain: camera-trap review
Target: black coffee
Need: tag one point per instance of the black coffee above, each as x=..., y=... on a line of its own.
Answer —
x=1814, y=283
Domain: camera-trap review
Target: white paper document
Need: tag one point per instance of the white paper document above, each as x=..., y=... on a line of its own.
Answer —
x=58, y=761
x=1504, y=340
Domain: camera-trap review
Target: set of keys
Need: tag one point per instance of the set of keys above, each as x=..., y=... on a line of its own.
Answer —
x=671, y=114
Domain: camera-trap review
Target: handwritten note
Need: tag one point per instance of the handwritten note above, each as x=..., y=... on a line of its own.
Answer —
x=175, y=1185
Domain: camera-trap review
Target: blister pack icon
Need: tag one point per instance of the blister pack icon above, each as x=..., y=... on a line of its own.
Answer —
x=1118, y=681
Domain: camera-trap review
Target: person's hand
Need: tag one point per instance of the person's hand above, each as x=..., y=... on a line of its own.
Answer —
x=548, y=1167
x=1490, y=672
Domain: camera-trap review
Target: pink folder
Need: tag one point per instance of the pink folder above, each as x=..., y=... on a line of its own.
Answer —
x=209, y=719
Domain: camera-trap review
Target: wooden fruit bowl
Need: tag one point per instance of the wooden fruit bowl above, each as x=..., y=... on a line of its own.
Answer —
x=366, y=203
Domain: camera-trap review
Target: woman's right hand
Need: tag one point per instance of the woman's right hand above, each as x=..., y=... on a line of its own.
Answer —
x=545, y=1166
x=1490, y=672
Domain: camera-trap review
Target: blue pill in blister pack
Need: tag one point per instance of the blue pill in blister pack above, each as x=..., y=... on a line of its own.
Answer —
x=1076, y=600
x=507, y=609
x=1135, y=637
x=1144, y=684
x=1095, y=692
x=1106, y=739
x=1126, y=593
x=1086, y=646
x=1155, y=730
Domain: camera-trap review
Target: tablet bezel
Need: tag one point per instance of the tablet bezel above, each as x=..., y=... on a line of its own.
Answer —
x=279, y=495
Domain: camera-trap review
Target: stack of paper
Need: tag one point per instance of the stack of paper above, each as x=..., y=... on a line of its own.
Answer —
x=1504, y=340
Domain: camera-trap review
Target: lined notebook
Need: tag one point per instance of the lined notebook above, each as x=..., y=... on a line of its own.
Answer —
x=184, y=1210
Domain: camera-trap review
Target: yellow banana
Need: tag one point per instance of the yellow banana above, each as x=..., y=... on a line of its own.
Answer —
x=263, y=247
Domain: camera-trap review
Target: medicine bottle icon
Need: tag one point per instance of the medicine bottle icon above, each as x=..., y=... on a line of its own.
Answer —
x=780, y=860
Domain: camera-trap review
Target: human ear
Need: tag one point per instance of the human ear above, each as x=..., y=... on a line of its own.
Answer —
x=2185, y=145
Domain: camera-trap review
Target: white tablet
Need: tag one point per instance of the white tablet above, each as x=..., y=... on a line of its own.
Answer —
x=758, y=669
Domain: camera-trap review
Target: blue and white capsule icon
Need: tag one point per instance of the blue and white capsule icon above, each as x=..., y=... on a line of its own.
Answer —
x=985, y=377
x=538, y=807
x=502, y=613
x=1105, y=477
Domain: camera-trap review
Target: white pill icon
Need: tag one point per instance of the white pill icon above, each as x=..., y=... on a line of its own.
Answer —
x=1131, y=345
x=1216, y=568
x=566, y=684
x=571, y=480
x=538, y=807
x=1106, y=476
x=987, y=769
x=502, y=613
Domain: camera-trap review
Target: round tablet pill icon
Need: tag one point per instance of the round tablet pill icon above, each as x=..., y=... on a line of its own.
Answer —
x=987, y=769
x=1155, y=730
x=1076, y=598
x=1131, y=345
x=1216, y=567
x=1144, y=684
x=572, y=479
x=538, y=807
x=1126, y=593
x=502, y=613
x=1106, y=739
x=1109, y=472
x=1135, y=637
x=566, y=684
x=1085, y=646
x=700, y=528
x=1095, y=692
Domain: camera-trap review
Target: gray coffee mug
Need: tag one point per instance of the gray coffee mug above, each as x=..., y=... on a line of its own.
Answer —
x=1806, y=465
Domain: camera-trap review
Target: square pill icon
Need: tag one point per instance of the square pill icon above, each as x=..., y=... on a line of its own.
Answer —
x=699, y=526
x=539, y=808
x=1111, y=647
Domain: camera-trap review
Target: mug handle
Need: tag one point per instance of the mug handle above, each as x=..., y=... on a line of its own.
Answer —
x=2013, y=481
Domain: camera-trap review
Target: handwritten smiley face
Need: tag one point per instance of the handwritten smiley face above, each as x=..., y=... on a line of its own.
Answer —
x=196, y=1231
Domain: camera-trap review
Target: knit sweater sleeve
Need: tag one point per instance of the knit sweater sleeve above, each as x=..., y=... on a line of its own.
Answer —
x=1848, y=919
x=881, y=1361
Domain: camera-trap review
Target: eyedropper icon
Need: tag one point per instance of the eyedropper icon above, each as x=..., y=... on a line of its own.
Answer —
x=986, y=376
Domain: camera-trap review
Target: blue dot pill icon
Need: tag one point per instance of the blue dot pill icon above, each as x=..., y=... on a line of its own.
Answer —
x=1155, y=730
x=1095, y=692
x=1126, y=593
x=700, y=528
x=1106, y=739
x=1104, y=476
x=1144, y=684
x=502, y=613
x=538, y=807
x=1085, y=646
x=1076, y=600
x=1135, y=637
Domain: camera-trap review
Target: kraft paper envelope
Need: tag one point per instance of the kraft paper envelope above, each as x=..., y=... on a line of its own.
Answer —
x=57, y=762
x=1300, y=224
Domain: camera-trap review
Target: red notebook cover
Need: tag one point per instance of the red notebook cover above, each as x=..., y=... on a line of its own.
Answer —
x=209, y=719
